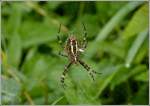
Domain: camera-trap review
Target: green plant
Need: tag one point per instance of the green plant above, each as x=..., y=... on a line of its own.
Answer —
x=117, y=47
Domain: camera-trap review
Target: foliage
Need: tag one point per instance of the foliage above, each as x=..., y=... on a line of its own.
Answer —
x=117, y=47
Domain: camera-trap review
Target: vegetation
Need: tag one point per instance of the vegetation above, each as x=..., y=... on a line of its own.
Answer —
x=117, y=48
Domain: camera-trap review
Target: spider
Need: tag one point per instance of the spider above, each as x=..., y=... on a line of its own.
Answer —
x=73, y=48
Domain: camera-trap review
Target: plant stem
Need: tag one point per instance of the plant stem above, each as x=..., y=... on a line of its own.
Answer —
x=28, y=97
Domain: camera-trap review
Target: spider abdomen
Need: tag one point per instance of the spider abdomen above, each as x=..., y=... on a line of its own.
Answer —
x=72, y=49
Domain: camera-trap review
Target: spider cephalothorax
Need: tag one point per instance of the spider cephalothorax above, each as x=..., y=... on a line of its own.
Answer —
x=73, y=48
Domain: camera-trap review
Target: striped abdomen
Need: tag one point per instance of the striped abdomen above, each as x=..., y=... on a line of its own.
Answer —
x=72, y=49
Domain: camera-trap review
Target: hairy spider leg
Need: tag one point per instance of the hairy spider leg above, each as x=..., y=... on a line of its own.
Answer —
x=84, y=36
x=91, y=72
x=64, y=74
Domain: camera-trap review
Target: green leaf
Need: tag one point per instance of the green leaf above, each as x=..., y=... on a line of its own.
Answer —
x=135, y=47
x=14, y=50
x=10, y=91
x=124, y=74
x=142, y=77
x=39, y=67
x=138, y=23
x=15, y=44
x=79, y=96
x=14, y=20
x=35, y=33
x=142, y=53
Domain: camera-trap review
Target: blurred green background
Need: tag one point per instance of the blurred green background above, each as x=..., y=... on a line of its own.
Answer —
x=117, y=47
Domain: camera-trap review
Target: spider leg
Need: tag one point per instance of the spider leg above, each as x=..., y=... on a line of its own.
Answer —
x=59, y=38
x=64, y=74
x=91, y=72
x=85, y=36
x=60, y=42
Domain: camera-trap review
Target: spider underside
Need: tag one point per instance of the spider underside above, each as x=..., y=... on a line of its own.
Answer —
x=73, y=48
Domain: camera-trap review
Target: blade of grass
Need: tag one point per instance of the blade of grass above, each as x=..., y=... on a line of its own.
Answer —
x=103, y=34
x=14, y=50
x=57, y=100
x=106, y=81
x=135, y=47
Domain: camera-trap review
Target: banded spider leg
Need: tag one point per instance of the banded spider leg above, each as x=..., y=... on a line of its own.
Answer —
x=89, y=70
x=64, y=74
x=83, y=43
x=84, y=36
x=61, y=54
